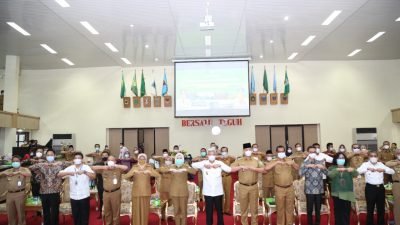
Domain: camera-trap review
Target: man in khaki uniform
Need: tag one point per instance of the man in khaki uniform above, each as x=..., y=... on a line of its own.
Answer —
x=257, y=153
x=111, y=175
x=179, y=192
x=226, y=179
x=356, y=157
x=283, y=180
x=165, y=182
x=268, y=177
x=248, y=184
x=395, y=165
x=386, y=154
x=298, y=157
x=15, y=199
x=141, y=189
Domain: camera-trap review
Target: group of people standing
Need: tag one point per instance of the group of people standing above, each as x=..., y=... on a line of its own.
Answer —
x=214, y=165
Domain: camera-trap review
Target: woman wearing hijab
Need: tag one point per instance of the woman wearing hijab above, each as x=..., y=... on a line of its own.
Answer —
x=141, y=189
x=179, y=192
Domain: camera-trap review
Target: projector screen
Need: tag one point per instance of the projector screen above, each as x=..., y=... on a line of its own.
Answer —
x=215, y=88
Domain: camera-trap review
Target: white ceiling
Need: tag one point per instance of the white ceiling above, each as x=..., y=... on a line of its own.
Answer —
x=244, y=28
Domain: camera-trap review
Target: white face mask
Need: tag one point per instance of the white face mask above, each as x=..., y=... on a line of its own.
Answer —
x=342, y=149
x=224, y=153
x=211, y=158
x=269, y=158
x=39, y=154
x=136, y=152
x=121, y=146
x=110, y=163
x=281, y=155
x=386, y=147
x=77, y=161
x=168, y=162
x=165, y=155
x=331, y=149
x=373, y=160
x=299, y=149
x=126, y=156
x=312, y=155
x=255, y=149
x=247, y=153
x=317, y=150
x=356, y=150
x=289, y=150
x=97, y=149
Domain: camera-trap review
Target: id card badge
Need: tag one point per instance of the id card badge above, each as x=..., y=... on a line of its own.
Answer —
x=115, y=181
x=19, y=183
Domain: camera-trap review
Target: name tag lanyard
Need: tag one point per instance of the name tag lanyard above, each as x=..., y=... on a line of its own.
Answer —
x=76, y=175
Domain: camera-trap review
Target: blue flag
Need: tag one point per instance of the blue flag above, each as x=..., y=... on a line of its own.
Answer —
x=164, y=85
x=252, y=82
x=274, y=85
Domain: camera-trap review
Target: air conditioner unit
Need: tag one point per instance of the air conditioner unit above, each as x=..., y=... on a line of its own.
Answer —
x=367, y=137
x=60, y=140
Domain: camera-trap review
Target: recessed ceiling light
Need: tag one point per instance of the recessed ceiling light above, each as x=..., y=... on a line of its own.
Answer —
x=146, y=46
x=67, y=61
x=376, y=36
x=308, y=40
x=261, y=56
x=271, y=41
x=111, y=47
x=331, y=17
x=48, y=48
x=286, y=18
x=294, y=54
x=156, y=59
x=354, y=52
x=62, y=3
x=208, y=52
x=131, y=25
x=18, y=28
x=207, y=40
x=126, y=61
x=398, y=19
x=89, y=27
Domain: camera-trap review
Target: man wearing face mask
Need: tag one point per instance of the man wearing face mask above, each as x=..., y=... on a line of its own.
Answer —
x=165, y=184
x=79, y=188
x=50, y=186
x=15, y=199
x=386, y=154
x=179, y=192
x=99, y=179
x=122, y=151
x=298, y=157
x=96, y=155
x=342, y=149
x=161, y=158
x=226, y=179
x=313, y=171
x=257, y=153
x=248, y=180
x=268, y=177
x=212, y=186
x=374, y=189
x=330, y=151
x=395, y=165
x=111, y=175
x=141, y=174
x=283, y=180
x=202, y=157
x=357, y=157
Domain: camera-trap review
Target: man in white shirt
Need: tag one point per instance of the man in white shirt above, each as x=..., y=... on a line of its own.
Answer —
x=374, y=189
x=212, y=184
x=79, y=179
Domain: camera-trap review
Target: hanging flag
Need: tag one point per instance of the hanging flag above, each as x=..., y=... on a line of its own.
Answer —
x=287, y=86
x=265, y=81
x=252, y=82
x=134, y=85
x=142, y=86
x=164, y=85
x=274, y=84
x=122, y=92
x=154, y=86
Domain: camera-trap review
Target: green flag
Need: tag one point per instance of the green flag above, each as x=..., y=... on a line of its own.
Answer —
x=134, y=85
x=122, y=93
x=287, y=86
x=142, y=86
x=265, y=81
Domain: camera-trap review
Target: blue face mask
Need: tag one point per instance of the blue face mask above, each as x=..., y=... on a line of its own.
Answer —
x=16, y=165
x=341, y=162
x=179, y=162
x=50, y=158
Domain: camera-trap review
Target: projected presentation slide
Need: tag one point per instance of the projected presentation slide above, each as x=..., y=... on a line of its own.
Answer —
x=219, y=88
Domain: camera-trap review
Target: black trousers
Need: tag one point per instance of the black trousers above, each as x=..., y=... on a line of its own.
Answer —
x=51, y=206
x=314, y=202
x=375, y=195
x=100, y=195
x=342, y=211
x=212, y=201
x=80, y=211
